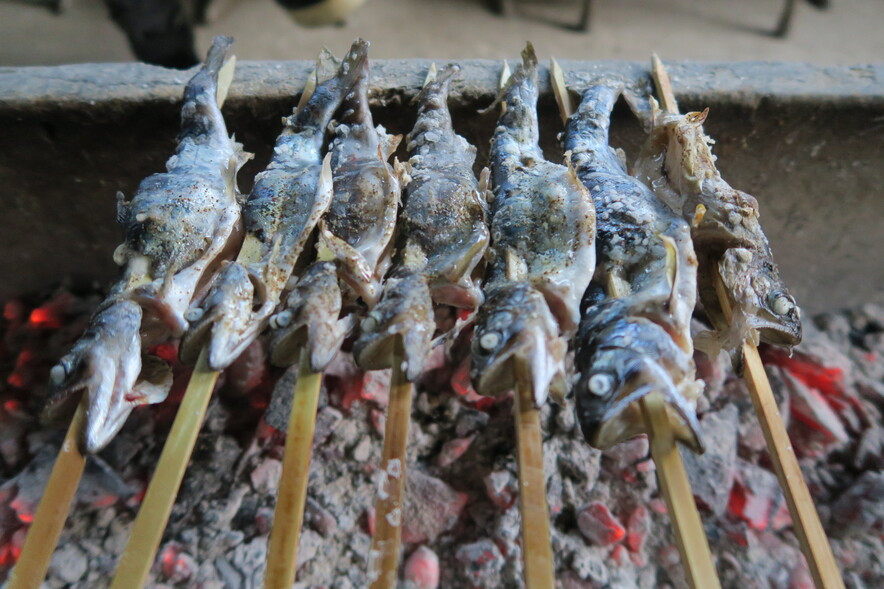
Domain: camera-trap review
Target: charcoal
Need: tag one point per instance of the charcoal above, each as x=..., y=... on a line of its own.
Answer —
x=462, y=495
x=712, y=473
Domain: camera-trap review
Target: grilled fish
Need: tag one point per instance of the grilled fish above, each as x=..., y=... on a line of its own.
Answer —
x=309, y=320
x=357, y=229
x=444, y=220
x=445, y=236
x=634, y=338
x=677, y=163
x=106, y=364
x=182, y=221
x=287, y=200
x=542, y=254
x=177, y=227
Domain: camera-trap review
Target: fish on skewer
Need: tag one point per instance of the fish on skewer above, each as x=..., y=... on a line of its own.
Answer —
x=181, y=222
x=634, y=338
x=285, y=204
x=541, y=257
x=444, y=220
x=445, y=234
x=178, y=226
x=354, y=243
x=677, y=163
x=357, y=229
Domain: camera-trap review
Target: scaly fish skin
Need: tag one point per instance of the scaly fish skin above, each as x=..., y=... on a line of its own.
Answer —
x=309, y=320
x=541, y=257
x=444, y=220
x=105, y=364
x=287, y=201
x=542, y=215
x=635, y=340
x=677, y=163
x=357, y=229
x=405, y=310
x=181, y=221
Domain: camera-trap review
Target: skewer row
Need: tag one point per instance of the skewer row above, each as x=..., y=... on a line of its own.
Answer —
x=232, y=307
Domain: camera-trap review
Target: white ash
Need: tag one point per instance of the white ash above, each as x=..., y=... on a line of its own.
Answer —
x=218, y=531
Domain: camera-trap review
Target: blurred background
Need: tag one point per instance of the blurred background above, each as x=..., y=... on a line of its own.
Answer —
x=174, y=32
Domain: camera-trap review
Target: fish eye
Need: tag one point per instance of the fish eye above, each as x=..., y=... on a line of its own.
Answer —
x=782, y=304
x=193, y=314
x=489, y=340
x=370, y=323
x=57, y=374
x=600, y=383
x=281, y=319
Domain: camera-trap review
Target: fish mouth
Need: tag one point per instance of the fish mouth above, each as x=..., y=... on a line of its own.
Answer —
x=776, y=331
x=622, y=417
x=532, y=358
x=107, y=383
x=226, y=321
x=405, y=310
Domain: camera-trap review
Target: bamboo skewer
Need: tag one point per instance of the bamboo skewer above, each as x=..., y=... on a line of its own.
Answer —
x=537, y=555
x=808, y=528
x=52, y=511
x=147, y=532
x=807, y=525
x=690, y=536
x=288, y=517
x=384, y=556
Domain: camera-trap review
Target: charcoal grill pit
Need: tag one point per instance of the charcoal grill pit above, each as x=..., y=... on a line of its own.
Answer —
x=806, y=141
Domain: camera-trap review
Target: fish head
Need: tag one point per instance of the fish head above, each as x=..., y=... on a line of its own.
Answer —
x=227, y=319
x=620, y=364
x=516, y=343
x=758, y=292
x=104, y=365
x=309, y=320
x=405, y=310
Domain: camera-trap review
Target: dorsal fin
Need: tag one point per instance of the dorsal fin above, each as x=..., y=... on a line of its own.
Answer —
x=225, y=78
x=516, y=269
x=563, y=98
x=309, y=89
x=431, y=75
x=671, y=264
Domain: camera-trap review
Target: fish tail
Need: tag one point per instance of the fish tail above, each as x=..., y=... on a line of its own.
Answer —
x=593, y=116
x=437, y=85
x=518, y=93
x=328, y=95
x=213, y=78
x=206, y=92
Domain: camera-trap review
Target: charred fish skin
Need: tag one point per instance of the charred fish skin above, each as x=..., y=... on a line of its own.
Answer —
x=309, y=320
x=541, y=257
x=444, y=218
x=677, y=162
x=105, y=364
x=542, y=215
x=637, y=340
x=640, y=243
x=287, y=201
x=357, y=229
x=180, y=221
x=405, y=310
